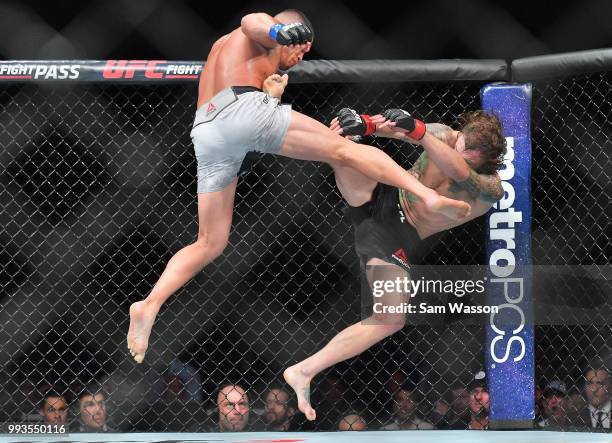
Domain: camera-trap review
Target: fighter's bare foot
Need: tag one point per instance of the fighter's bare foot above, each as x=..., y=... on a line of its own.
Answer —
x=454, y=209
x=301, y=385
x=142, y=317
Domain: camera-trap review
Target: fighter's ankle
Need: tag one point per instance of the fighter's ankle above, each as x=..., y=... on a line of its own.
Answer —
x=151, y=304
x=305, y=372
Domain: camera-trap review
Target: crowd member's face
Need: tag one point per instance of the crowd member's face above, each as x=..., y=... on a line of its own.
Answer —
x=55, y=410
x=175, y=386
x=537, y=394
x=479, y=401
x=554, y=405
x=461, y=401
x=576, y=403
x=335, y=391
x=352, y=423
x=93, y=410
x=404, y=405
x=277, y=407
x=233, y=405
x=395, y=382
x=597, y=387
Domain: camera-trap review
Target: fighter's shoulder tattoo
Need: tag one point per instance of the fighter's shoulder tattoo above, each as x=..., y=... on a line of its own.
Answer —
x=441, y=132
x=484, y=187
x=419, y=166
x=417, y=170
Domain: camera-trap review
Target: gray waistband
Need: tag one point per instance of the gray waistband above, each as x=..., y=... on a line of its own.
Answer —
x=209, y=110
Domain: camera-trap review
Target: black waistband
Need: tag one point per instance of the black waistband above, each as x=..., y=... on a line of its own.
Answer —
x=242, y=89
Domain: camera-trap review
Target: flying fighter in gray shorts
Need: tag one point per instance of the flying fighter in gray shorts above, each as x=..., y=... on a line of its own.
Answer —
x=237, y=120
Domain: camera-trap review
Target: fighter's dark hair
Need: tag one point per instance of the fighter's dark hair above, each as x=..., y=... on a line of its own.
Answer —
x=483, y=133
x=292, y=400
x=92, y=390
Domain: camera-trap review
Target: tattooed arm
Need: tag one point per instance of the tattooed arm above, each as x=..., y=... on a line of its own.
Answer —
x=439, y=142
x=443, y=133
x=487, y=188
x=417, y=170
x=419, y=166
x=443, y=154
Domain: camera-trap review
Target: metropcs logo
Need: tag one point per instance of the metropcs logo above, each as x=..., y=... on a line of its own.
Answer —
x=15, y=71
x=513, y=287
x=152, y=69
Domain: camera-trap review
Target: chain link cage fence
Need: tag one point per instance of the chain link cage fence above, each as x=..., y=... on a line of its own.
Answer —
x=572, y=195
x=97, y=192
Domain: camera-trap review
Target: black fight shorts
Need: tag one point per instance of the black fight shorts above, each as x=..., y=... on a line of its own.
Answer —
x=382, y=231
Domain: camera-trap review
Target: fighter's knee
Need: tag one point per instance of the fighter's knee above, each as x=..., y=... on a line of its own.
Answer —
x=389, y=324
x=342, y=152
x=214, y=244
x=396, y=324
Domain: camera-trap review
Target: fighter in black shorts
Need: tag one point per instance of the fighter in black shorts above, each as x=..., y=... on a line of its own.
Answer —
x=382, y=231
x=394, y=228
x=390, y=225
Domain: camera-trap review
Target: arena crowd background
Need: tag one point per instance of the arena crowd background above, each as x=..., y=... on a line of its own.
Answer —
x=97, y=186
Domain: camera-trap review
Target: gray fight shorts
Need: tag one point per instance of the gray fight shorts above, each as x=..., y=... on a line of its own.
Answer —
x=235, y=121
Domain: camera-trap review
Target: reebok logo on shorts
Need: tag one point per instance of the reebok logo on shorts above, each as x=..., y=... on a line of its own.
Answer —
x=400, y=256
x=210, y=108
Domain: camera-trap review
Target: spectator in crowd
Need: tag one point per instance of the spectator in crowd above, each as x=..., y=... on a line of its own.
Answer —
x=554, y=406
x=176, y=400
x=537, y=397
x=479, y=402
x=576, y=402
x=280, y=410
x=234, y=409
x=597, y=390
x=407, y=372
x=395, y=382
x=54, y=408
x=453, y=410
x=334, y=397
x=405, y=410
x=352, y=422
x=181, y=380
x=92, y=411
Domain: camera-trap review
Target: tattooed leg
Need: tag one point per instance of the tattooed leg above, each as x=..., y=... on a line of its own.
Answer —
x=300, y=383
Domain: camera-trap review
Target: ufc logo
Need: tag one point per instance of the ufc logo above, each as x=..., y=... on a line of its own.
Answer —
x=127, y=68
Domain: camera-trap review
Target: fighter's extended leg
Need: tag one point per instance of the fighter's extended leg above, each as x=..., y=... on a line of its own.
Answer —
x=351, y=341
x=307, y=139
x=215, y=211
x=356, y=188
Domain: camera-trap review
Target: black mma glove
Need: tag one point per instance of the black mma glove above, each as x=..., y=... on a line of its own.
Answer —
x=403, y=120
x=355, y=124
x=291, y=34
